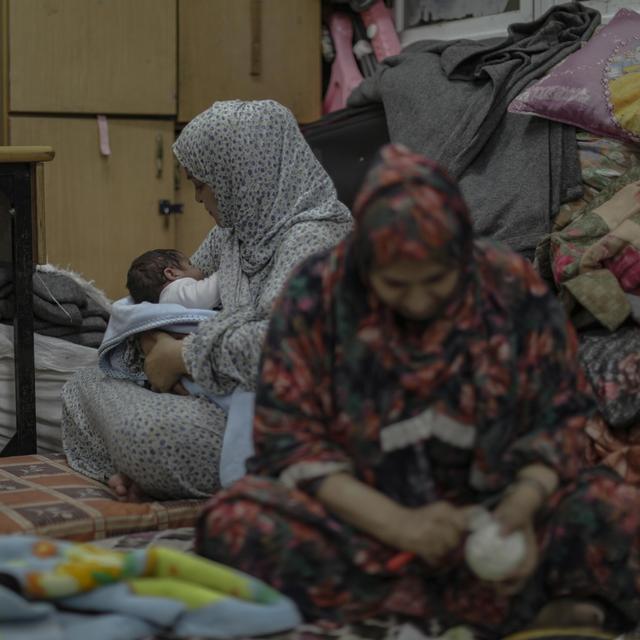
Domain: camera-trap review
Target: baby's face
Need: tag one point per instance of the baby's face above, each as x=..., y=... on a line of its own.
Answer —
x=188, y=270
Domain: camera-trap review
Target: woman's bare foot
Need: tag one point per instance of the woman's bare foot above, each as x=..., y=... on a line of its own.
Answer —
x=567, y=612
x=125, y=489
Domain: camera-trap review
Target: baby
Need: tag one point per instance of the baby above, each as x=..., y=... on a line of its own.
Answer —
x=167, y=276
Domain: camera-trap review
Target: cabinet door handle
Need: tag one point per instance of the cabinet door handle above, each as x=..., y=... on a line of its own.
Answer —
x=103, y=136
x=159, y=155
x=255, y=13
x=168, y=208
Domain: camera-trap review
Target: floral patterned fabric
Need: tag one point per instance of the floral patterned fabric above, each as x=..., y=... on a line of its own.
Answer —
x=615, y=448
x=447, y=409
x=611, y=362
x=607, y=165
x=602, y=160
x=608, y=358
x=595, y=260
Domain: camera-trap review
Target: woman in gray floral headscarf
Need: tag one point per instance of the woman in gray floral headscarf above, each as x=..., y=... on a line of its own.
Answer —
x=274, y=205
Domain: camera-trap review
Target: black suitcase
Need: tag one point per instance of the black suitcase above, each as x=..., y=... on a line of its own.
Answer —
x=345, y=142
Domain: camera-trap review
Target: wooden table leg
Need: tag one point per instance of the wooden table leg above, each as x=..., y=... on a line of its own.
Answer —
x=20, y=178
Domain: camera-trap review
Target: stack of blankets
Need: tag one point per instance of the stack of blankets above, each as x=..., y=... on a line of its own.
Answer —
x=449, y=100
x=62, y=307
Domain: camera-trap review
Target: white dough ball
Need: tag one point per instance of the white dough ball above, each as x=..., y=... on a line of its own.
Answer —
x=492, y=556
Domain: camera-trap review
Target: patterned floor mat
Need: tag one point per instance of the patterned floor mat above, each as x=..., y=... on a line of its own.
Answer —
x=181, y=539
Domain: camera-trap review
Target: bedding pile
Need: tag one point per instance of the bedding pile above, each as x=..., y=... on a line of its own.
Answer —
x=63, y=307
x=449, y=100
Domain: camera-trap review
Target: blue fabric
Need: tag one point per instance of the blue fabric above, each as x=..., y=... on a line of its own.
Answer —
x=128, y=319
x=73, y=626
x=76, y=591
x=237, y=443
x=118, y=597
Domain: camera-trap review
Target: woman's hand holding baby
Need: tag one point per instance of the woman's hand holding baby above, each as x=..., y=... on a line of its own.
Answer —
x=163, y=365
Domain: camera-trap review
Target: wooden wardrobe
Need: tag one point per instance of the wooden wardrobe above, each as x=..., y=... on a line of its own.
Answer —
x=108, y=83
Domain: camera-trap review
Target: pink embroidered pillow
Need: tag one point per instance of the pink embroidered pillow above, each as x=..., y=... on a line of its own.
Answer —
x=596, y=88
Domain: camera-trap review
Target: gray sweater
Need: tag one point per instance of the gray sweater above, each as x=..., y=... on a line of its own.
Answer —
x=449, y=101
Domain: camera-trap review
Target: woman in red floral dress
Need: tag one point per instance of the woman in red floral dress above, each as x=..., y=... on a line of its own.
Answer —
x=408, y=374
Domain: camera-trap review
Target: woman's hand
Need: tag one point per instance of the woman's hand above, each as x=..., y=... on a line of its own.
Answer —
x=518, y=508
x=528, y=493
x=147, y=340
x=163, y=365
x=517, y=511
x=432, y=532
x=428, y=532
x=516, y=581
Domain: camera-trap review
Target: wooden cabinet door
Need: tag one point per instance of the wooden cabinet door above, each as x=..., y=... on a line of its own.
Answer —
x=102, y=211
x=249, y=49
x=194, y=223
x=93, y=56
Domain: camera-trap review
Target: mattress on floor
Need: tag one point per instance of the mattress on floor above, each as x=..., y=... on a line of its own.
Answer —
x=42, y=495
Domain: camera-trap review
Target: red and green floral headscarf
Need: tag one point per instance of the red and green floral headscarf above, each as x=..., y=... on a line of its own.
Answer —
x=409, y=208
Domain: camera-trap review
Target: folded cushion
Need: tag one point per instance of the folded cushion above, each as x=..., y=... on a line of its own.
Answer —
x=596, y=88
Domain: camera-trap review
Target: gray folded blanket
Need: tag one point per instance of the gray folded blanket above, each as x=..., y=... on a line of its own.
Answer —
x=91, y=323
x=55, y=286
x=61, y=307
x=611, y=364
x=66, y=314
x=448, y=100
x=92, y=309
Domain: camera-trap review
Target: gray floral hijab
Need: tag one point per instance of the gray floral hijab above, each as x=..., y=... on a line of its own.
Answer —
x=264, y=175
